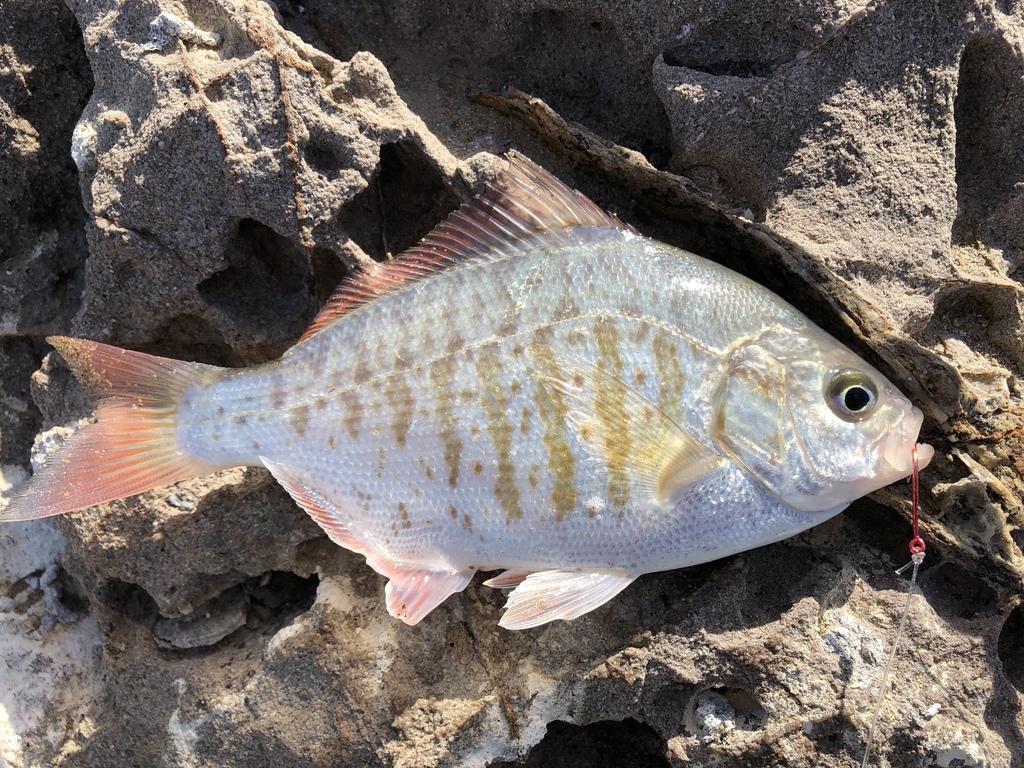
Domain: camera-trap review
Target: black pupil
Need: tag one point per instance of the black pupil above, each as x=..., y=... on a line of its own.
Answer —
x=856, y=399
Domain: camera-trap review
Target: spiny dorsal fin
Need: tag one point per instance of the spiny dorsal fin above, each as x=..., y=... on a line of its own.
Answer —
x=524, y=208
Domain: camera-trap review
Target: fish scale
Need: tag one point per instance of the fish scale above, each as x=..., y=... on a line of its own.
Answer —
x=535, y=388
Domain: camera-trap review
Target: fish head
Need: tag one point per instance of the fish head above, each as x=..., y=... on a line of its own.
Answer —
x=821, y=427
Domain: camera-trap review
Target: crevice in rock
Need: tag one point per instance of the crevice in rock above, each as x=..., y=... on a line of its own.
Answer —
x=838, y=738
x=217, y=90
x=590, y=81
x=328, y=272
x=666, y=707
x=879, y=527
x=682, y=57
x=277, y=597
x=414, y=194
x=326, y=152
x=750, y=715
x=1011, y=647
x=988, y=126
x=189, y=337
x=1017, y=535
x=45, y=83
x=127, y=599
x=985, y=313
x=68, y=591
x=20, y=419
x=1003, y=715
x=267, y=287
x=954, y=592
x=713, y=713
x=606, y=744
x=263, y=603
x=405, y=199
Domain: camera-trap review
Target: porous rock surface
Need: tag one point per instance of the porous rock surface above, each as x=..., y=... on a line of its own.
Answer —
x=195, y=178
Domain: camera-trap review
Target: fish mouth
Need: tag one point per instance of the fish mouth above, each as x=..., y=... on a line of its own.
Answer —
x=897, y=450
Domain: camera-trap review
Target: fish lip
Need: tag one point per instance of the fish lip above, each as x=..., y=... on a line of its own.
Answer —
x=925, y=453
x=898, y=445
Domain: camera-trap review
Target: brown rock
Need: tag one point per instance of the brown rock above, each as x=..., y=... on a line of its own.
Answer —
x=233, y=172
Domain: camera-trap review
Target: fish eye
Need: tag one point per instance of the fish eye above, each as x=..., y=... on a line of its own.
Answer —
x=851, y=394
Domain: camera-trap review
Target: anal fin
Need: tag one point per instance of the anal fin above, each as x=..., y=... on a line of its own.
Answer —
x=323, y=512
x=414, y=591
x=562, y=594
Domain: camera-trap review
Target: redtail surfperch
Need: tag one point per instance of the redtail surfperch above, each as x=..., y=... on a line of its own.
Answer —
x=536, y=388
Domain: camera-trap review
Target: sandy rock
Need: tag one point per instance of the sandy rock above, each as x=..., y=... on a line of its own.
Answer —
x=44, y=84
x=236, y=161
x=257, y=144
x=49, y=650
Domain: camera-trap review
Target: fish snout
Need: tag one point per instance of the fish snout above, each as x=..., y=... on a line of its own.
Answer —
x=925, y=453
x=898, y=446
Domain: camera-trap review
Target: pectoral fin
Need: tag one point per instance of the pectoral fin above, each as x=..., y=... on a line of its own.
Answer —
x=549, y=595
x=631, y=433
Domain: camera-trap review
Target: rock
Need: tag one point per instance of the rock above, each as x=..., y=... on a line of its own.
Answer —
x=236, y=161
x=257, y=144
x=44, y=84
x=50, y=649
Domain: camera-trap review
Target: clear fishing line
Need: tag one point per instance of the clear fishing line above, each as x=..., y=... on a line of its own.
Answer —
x=917, y=548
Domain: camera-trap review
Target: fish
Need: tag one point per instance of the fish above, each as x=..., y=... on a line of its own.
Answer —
x=535, y=388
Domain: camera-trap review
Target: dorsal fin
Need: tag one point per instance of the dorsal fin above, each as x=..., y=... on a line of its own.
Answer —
x=525, y=207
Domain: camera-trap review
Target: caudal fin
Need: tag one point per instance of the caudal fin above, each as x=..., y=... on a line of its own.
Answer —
x=131, y=448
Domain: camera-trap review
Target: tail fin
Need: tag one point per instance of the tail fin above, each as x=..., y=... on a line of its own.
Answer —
x=131, y=448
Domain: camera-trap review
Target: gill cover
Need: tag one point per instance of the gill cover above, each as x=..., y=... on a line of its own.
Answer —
x=817, y=425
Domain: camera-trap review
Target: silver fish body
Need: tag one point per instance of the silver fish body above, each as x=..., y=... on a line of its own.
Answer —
x=576, y=404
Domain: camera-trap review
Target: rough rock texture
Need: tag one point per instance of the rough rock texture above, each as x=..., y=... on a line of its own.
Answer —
x=217, y=178
x=863, y=159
